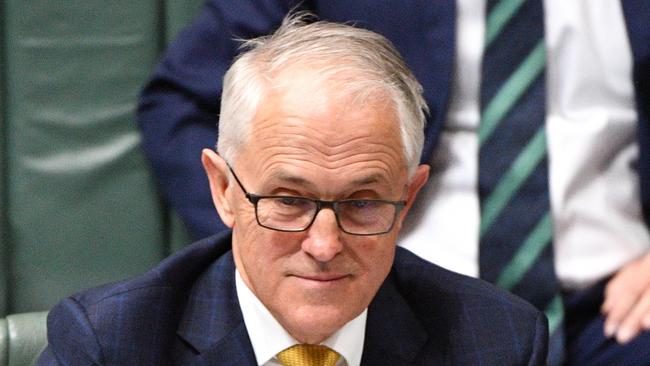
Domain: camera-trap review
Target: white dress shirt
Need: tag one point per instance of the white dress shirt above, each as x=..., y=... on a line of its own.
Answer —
x=591, y=133
x=268, y=337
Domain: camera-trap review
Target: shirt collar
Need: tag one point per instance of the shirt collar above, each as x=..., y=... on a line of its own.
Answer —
x=268, y=337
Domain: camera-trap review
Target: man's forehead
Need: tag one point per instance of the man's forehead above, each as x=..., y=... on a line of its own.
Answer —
x=338, y=115
x=332, y=129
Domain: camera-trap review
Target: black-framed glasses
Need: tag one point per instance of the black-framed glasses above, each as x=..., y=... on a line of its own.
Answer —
x=293, y=213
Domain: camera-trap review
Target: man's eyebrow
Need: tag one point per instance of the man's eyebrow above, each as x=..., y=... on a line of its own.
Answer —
x=293, y=179
x=286, y=177
x=371, y=179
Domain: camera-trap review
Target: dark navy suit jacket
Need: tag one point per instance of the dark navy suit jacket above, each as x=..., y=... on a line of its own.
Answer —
x=185, y=312
x=179, y=107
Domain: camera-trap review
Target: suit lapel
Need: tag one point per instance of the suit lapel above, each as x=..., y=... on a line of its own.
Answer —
x=394, y=335
x=212, y=323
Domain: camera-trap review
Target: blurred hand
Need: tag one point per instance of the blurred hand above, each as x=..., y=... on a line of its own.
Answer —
x=627, y=301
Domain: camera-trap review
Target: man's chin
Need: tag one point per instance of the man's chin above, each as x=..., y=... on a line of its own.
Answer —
x=314, y=323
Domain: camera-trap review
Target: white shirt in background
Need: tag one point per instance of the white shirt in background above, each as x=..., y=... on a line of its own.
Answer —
x=591, y=133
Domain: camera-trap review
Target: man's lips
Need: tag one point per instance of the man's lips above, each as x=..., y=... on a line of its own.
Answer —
x=321, y=277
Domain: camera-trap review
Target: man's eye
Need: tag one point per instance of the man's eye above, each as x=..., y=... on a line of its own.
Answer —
x=361, y=204
x=289, y=201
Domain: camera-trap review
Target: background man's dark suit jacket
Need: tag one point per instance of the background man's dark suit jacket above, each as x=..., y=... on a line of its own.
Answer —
x=185, y=312
x=179, y=107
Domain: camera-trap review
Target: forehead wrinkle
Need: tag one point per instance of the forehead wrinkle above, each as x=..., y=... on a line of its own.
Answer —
x=323, y=133
x=283, y=154
x=273, y=149
x=328, y=149
x=375, y=171
x=284, y=175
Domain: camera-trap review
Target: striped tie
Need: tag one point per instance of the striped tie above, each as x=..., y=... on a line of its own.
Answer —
x=516, y=250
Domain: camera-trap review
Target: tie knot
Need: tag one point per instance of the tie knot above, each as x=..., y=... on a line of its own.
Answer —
x=308, y=355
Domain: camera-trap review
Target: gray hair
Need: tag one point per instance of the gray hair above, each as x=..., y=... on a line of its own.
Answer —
x=368, y=61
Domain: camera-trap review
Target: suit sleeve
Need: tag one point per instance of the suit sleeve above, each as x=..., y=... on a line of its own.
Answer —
x=540, y=342
x=47, y=358
x=71, y=339
x=178, y=108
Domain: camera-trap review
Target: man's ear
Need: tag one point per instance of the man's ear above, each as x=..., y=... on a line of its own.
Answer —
x=418, y=180
x=217, y=171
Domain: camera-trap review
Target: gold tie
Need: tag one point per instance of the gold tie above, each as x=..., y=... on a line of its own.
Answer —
x=308, y=355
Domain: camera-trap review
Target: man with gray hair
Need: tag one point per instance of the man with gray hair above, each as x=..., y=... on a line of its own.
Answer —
x=320, y=132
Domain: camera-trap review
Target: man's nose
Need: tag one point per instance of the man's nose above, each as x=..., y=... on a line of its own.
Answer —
x=323, y=241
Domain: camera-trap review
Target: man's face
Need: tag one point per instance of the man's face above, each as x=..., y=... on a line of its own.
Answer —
x=309, y=141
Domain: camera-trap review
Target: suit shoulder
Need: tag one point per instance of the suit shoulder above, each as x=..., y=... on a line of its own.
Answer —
x=430, y=281
x=101, y=324
x=473, y=314
x=164, y=287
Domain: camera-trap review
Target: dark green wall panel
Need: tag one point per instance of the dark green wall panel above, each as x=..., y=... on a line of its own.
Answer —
x=4, y=240
x=82, y=204
x=179, y=13
x=179, y=236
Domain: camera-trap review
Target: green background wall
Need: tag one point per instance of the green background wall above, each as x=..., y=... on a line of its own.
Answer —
x=79, y=206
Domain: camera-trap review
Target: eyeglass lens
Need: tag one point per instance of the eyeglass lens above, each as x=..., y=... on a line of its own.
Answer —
x=354, y=216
